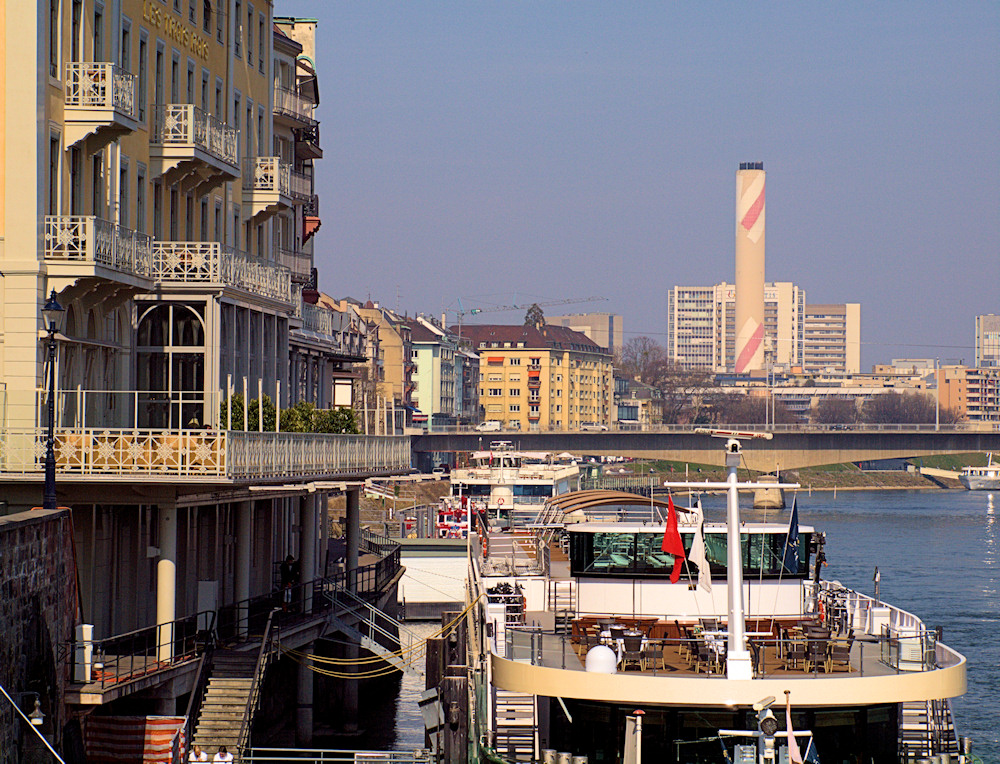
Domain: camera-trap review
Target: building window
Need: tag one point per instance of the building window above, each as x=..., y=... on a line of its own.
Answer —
x=206, y=18
x=496, y=392
x=515, y=408
x=218, y=24
x=54, y=38
x=515, y=361
x=140, y=197
x=158, y=210
x=261, y=39
x=237, y=31
x=143, y=63
x=99, y=33
x=192, y=12
x=124, y=192
x=515, y=392
x=54, y=155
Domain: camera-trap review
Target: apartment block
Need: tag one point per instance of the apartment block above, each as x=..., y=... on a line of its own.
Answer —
x=988, y=340
x=606, y=329
x=832, y=339
x=542, y=377
x=971, y=392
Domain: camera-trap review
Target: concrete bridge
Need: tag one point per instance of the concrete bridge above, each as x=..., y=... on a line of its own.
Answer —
x=792, y=447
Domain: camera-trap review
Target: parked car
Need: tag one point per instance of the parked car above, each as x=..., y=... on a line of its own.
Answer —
x=593, y=427
x=490, y=425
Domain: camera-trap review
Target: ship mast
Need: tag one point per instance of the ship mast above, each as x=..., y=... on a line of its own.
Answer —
x=739, y=664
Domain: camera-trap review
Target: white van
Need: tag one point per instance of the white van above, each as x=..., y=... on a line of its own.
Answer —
x=490, y=425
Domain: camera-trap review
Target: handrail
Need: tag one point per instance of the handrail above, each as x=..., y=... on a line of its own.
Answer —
x=373, y=625
x=182, y=738
x=263, y=657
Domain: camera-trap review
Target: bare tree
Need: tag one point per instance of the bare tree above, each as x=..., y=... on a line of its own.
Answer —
x=742, y=408
x=904, y=408
x=641, y=358
x=836, y=411
x=683, y=391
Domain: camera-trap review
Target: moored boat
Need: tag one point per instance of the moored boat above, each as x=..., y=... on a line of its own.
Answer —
x=612, y=603
x=986, y=478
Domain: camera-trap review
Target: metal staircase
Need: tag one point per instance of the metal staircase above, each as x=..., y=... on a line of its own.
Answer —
x=515, y=724
x=926, y=728
x=365, y=623
x=562, y=603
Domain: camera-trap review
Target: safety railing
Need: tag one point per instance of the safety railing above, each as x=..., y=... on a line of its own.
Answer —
x=334, y=756
x=185, y=735
x=316, y=319
x=100, y=85
x=290, y=103
x=208, y=262
x=298, y=263
x=267, y=174
x=123, y=658
x=268, y=649
x=90, y=239
x=230, y=454
x=179, y=124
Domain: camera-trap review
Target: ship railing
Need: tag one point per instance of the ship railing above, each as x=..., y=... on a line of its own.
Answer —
x=257, y=755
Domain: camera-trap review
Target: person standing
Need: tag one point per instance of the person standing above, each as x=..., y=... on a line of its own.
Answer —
x=223, y=754
x=289, y=573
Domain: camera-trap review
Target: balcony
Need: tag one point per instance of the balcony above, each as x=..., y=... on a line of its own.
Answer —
x=99, y=103
x=317, y=320
x=205, y=456
x=307, y=145
x=534, y=383
x=270, y=185
x=298, y=263
x=208, y=263
x=193, y=148
x=293, y=109
x=82, y=246
x=310, y=217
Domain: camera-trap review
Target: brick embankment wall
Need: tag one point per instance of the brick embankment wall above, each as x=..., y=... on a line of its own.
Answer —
x=38, y=600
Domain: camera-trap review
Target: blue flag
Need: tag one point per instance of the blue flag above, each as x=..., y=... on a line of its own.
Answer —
x=790, y=559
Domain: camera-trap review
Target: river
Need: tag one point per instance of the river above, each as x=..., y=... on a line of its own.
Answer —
x=937, y=552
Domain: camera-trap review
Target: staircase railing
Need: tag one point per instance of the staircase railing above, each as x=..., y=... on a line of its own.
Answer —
x=182, y=738
x=263, y=658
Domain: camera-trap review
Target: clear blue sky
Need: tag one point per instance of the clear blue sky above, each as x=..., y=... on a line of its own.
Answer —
x=499, y=151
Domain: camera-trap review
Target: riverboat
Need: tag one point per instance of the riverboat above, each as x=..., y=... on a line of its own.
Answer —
x=513, y=485
x=614, y=619
x=985, y=478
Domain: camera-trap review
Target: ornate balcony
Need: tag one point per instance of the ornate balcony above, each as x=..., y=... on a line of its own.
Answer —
x=208, y=263
x=82, y=246
x=227, y=456
x=298, y=263
x=99, y=103
x=317, y=320
x=193, y=148
x=270, y=185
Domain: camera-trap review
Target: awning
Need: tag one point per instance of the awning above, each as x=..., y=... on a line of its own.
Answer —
x=494, y=359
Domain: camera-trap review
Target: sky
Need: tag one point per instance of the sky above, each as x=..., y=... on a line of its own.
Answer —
x=481, y=154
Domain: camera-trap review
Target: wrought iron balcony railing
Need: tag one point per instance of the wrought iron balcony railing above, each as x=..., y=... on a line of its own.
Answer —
x=179, y=124
x=210, y=262
x=298, y=263
x=90, y=239
x=289, y=103
x=227, y=454
x=100, y=85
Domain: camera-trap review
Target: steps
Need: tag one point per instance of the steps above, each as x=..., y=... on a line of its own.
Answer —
x=926, y=728
x=225, y=701
x=515, y=725
x=562, y=603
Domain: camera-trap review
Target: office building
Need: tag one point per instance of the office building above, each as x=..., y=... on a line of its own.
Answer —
x=988, y=340
x=832, y=339
x=606, y=329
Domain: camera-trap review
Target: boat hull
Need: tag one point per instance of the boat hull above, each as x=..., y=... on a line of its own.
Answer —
x=977, y=483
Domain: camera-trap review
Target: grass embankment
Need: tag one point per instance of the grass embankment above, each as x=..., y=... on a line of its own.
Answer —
x=829, y=476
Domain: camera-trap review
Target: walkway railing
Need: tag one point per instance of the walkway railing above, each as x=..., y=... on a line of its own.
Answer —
x=228, y=454
x=267, y=652
x=335, y=756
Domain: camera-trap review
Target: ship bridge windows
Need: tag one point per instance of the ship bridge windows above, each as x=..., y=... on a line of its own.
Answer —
x=639, y=554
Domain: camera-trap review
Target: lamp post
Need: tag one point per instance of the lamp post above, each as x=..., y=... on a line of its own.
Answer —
x=52, y=313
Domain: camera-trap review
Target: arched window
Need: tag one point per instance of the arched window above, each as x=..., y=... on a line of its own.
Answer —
x=170, y=357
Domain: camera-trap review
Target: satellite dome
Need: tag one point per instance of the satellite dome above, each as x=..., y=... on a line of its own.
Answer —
x=602, y=660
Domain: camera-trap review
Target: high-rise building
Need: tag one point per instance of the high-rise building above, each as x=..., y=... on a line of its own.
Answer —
x=701, y=326
x=606, y=329
x=988, y=340
x=832, y=339
x=750, y=297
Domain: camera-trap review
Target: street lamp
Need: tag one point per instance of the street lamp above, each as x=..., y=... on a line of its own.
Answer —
x=52, y=313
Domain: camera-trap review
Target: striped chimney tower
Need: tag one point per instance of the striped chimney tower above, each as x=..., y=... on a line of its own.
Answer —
x=749, y=352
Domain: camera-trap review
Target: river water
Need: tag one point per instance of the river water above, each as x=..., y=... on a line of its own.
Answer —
x=937, y=552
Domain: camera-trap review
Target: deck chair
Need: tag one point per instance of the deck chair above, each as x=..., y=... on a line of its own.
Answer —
x=815, y=654
x=839, y=654
x=653, y=654
x=794, y=653
x=633, y=651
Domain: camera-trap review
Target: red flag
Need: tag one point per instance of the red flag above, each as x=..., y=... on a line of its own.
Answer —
x=672, y=543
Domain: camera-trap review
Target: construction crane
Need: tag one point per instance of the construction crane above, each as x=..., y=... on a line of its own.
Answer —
x=461, y=312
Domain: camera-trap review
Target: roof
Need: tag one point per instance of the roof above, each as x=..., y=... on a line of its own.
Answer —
x=568, y=502
x=550, y=337
x=420, y=333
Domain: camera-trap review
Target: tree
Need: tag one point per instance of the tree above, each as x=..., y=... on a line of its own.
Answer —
x=904, y=408
x=641, y=358
x=683, y=391
x=836, y=411
x=743, y=408
x=534, y=317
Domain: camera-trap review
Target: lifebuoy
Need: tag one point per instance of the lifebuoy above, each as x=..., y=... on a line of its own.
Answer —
x=822, y=611
x=500, y=502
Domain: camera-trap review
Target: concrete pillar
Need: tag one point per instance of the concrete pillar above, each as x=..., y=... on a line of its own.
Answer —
x=304, y=697
x=166, y=581
x=241, y=576
x=353, y=532
x=307, y=547
x=350, y=695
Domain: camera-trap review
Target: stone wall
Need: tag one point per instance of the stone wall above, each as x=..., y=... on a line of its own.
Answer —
x=38, y=604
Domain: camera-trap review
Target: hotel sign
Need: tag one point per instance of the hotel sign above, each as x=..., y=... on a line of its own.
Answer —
x=175, y=29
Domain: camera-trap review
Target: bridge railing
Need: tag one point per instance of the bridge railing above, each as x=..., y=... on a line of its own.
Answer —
x=963, y=427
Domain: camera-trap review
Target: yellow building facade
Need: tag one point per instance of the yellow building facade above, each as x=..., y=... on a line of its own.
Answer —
x=542, y=378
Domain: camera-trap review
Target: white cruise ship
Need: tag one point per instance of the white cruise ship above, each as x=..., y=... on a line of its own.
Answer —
x=985, y=478
x=580, y=628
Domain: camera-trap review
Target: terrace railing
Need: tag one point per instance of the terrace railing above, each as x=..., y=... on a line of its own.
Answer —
x=90, y=239
x=192, y=262
x=287, y=101
x=316, y=319
x=226, y=454
x=179, y=124
x=100, y=85
x=267, y=174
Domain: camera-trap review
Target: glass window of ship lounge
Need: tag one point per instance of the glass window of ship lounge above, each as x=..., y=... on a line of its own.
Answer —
x=171, y=365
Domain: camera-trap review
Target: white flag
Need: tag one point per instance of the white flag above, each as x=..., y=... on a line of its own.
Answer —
x=697, y=555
